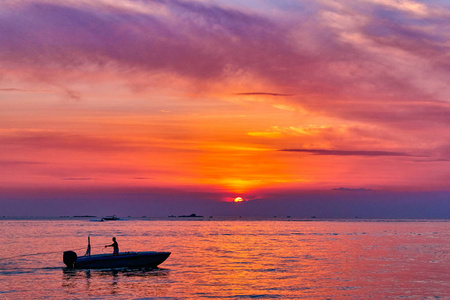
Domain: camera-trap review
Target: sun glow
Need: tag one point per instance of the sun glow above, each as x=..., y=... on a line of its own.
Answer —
x=238, y=199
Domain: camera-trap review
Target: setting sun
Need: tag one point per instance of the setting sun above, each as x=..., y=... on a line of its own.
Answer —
x=238, y=199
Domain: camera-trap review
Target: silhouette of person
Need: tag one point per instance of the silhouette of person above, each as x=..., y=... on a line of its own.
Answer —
x=115, y=246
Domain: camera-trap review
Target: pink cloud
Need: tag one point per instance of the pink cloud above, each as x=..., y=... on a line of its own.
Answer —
x=364, y=63
x=205, y=42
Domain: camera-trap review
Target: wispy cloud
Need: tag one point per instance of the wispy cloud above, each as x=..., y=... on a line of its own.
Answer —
x=439, y=160
x=19, y=90
x=264, y=94
x=347, y=152
x=373, y=51
x=12, y=163
x=318, y=49
x=12, y=90
x=344, y=189
x=34, y=139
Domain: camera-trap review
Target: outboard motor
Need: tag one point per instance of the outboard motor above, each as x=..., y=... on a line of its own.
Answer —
x=69, y=259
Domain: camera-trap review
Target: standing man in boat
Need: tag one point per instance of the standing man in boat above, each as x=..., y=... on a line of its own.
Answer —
x=115, y=246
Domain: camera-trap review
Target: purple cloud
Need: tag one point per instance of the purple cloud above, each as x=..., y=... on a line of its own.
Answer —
x=314, y=53
x=346, y=152
x=371, y=63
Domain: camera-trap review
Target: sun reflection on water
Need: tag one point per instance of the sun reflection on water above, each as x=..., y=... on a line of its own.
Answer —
x=235, y=259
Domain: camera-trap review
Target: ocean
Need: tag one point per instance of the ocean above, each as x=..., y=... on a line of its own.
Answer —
x=231, y=259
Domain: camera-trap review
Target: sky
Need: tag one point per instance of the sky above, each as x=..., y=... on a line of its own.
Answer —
x=333, y=108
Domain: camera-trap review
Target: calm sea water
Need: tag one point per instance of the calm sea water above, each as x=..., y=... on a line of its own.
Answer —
x=231, y=259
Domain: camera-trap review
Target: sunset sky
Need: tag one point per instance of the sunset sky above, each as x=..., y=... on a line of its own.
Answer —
x=203, y=101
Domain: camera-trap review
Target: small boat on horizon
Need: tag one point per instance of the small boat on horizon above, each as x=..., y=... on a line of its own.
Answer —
x=109, y=218
x=190, y=216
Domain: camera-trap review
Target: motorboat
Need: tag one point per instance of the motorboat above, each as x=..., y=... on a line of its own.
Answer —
x=147, y=259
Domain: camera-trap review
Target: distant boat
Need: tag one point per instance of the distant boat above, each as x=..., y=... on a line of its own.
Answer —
x=110, y=218
x=190, y=216
x=149, y=259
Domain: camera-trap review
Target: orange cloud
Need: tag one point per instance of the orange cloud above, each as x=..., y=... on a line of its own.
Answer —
x=206, y=94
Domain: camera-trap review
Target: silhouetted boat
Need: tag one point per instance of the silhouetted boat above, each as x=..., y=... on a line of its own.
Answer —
x=149, y=259
x=110, y=218
x=190, y=216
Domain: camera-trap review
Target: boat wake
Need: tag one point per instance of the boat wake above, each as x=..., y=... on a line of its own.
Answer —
x=20, y=270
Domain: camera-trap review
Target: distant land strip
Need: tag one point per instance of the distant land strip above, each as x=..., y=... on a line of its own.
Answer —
x=343, y=189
